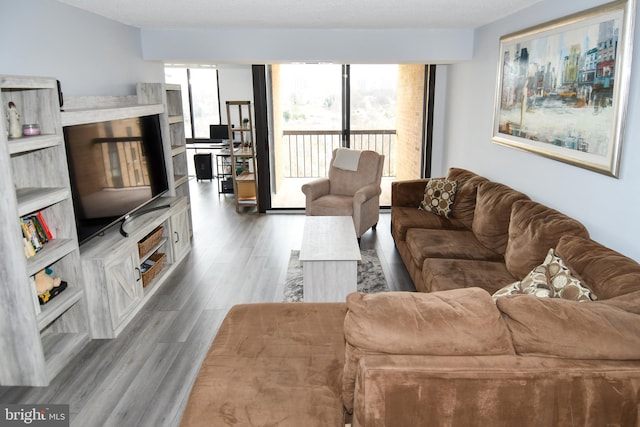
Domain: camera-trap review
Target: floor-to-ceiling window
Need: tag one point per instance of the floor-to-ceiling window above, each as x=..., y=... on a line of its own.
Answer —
x=319, y=107
x=200, y=102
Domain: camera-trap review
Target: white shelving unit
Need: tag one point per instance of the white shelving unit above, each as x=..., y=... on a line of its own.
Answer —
x=170, y=95
x=104, y=278
x=34, y=178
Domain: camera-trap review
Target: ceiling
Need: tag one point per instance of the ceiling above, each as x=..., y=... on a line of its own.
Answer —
x=302, y=14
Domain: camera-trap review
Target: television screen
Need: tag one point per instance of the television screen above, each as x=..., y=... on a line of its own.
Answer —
x=116, y=167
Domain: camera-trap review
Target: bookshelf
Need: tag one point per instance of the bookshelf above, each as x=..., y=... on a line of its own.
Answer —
x=37, y=343
x=173, y=134
x=243, y=160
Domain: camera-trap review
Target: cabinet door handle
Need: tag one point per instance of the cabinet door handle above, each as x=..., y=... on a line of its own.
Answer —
x=139, y=274
x=177, y=237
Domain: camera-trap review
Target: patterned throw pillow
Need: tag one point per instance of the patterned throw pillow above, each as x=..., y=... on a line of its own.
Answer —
x=439, y=195
x=564, y=284
x=551, y=279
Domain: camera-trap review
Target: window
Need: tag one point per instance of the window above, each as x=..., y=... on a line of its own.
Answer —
x=200, y=102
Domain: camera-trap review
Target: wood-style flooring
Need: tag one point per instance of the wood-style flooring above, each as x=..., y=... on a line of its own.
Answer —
x=143, y=377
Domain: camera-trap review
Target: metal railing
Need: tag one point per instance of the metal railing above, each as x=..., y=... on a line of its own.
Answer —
x=307, y=153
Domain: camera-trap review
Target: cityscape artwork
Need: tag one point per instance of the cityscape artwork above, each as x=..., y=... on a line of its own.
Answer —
x=562, y=87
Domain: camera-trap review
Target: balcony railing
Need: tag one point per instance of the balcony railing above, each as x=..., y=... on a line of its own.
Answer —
x=307, y=153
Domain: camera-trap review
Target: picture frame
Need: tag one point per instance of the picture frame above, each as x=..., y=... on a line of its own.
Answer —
x=562, y=87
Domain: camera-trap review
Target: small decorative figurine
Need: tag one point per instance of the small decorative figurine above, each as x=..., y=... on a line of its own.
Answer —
x=15, y=131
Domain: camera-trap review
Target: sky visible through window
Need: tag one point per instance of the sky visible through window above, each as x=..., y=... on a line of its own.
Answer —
x=311, y=96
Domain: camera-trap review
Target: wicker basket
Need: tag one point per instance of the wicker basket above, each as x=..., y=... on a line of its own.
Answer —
x=151, y=273
x=150, y=241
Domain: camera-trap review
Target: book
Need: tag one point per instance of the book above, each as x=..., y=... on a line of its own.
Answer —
x=42, y=235
x=33, y=234
x=29, y=233
x=45, y=226
x=36, y=233
x=29, y=251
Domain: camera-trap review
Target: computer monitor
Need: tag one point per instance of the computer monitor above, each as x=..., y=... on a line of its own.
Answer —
x=218, y=132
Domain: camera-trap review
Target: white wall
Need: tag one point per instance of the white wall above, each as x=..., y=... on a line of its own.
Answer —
x=608, y=207
x=264, y=46
x=90, y=55
x=235, y=84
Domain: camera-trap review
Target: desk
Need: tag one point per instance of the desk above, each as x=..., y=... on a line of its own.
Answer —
x=204, y=146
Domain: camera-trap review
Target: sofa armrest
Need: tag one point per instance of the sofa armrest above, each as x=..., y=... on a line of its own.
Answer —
x=494, y=390
x=316, y=188
x=408, y=193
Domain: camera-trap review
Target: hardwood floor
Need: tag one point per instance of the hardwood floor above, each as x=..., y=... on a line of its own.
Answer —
x=143, y=377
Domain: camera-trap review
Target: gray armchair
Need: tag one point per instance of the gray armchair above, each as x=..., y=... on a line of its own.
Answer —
x=348, y=192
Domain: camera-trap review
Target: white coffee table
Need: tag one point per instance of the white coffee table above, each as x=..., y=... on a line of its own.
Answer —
x=329, y=256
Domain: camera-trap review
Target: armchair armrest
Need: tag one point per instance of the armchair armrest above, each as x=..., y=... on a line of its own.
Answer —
x=365, y=193
x=501, y=390
x=316, y=188
x=408, y=193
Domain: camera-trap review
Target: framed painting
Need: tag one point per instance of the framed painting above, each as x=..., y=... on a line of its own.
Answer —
x=562, y=88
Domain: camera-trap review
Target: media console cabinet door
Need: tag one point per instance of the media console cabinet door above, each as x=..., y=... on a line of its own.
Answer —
x=124, y=286
x=180, y=234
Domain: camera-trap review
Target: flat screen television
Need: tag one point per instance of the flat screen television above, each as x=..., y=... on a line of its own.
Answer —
x=116, y=167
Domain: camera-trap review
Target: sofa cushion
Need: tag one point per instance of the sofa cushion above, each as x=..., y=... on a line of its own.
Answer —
x=533, y=229
x=551, y=279
x=462, y=244
x=272, y=364
x=465, y=203
x=445, y=274
x=439, y=195
x=606, y=272
x=457, y=322
x=405, y=218
x=492, y=214
x=563, y=328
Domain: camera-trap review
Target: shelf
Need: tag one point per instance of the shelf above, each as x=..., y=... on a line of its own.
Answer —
x=152, y=250
x=248, y=177
x=20, y=82
x=33, y=199
x=175, y=119
x=31, y=143
x=51, y=252
x=248, y=201
x=78, y=117
x=178, y=149
x=180, y=179
x=244, y=152
x=58, y=305
x=151, y=286
x=60, y=348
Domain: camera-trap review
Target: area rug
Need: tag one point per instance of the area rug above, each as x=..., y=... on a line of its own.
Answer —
x=370, y=276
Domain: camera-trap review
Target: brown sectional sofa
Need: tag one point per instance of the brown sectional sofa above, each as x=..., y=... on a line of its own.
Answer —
x=450, y=355
x=494, y=236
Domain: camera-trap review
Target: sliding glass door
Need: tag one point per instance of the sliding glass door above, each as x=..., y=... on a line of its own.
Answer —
x=307, y=124
x=319, y=107
x=372, y=115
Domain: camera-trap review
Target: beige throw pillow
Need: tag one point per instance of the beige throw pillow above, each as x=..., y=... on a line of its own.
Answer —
x=551, y=279
x=439, y=195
